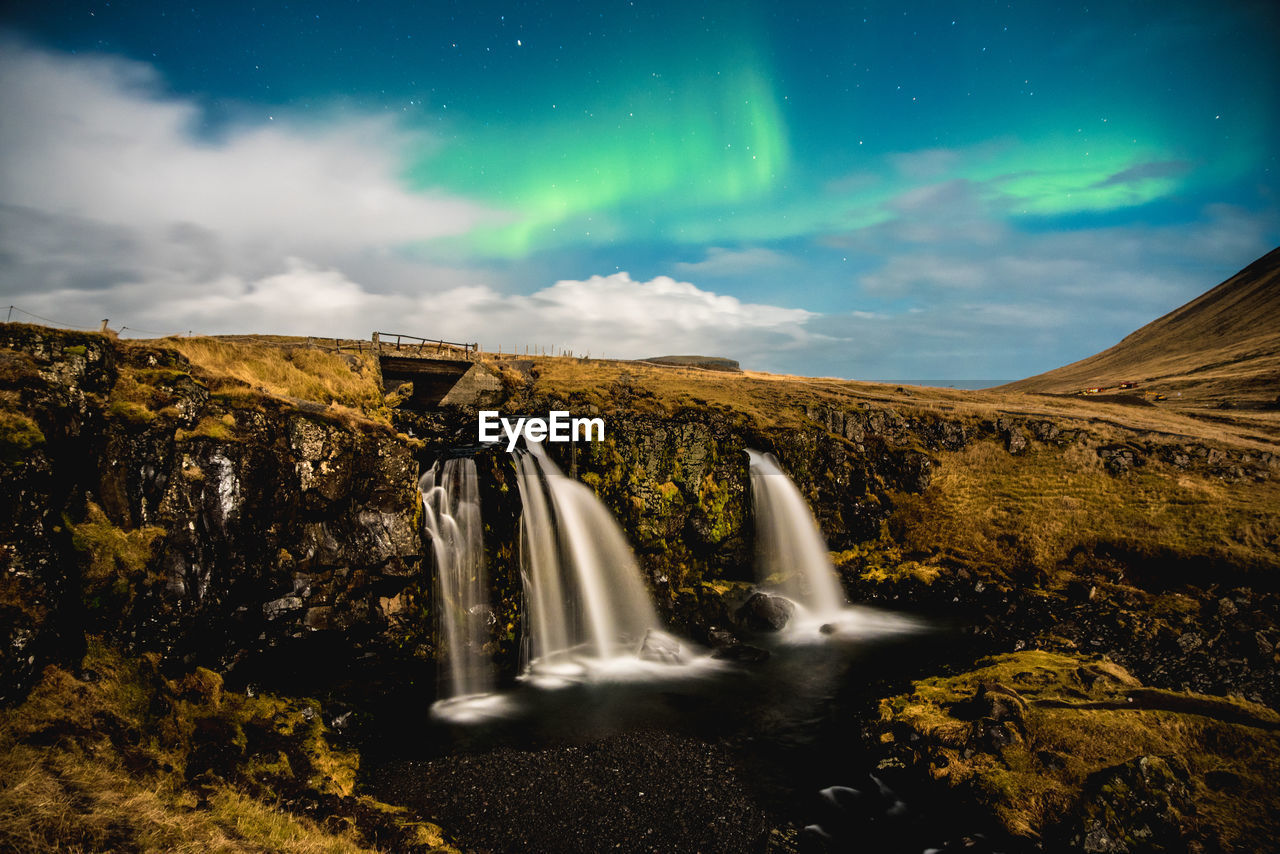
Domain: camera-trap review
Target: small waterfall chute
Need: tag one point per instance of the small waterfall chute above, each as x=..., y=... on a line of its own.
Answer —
x=791, y=552
x=792, y=559
x=587, y=603
x=464, y=613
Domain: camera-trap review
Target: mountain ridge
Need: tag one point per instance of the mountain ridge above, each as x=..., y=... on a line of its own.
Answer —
x=1220, y=349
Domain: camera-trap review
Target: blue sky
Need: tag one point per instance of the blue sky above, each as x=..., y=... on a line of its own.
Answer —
x=907, y=191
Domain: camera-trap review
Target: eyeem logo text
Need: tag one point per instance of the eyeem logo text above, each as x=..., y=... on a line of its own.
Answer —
x=559, y=427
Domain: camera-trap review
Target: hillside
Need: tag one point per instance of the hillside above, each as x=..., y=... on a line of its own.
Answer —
x=1222, y=349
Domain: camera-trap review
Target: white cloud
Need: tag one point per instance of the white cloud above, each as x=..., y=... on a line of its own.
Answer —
x=733, y=262
x=604, y=315
x=94, y=138
x=112, y=204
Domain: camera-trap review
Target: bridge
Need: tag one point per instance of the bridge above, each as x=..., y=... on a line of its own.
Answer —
x=443, y=373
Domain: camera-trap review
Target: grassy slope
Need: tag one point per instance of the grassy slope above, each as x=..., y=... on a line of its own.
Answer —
x=779, y=400
x=1221, y=346
x=1010, y=515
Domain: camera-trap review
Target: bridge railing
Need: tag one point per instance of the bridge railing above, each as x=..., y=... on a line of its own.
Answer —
x=416, y=345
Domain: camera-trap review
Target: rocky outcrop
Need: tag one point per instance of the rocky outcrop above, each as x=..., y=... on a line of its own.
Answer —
x=1074, y=753
x=203, y=526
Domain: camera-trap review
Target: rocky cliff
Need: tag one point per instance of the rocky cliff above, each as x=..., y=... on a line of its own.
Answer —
x=203, y=526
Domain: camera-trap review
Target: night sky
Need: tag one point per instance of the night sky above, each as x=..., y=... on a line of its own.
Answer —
x=905, y=191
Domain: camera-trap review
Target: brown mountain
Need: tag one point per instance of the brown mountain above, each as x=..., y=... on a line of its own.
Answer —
x=1222, y=348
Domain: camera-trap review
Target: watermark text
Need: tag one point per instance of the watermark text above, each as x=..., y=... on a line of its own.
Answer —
x=557, y=427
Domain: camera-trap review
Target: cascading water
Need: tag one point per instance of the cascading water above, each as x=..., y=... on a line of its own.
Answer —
x=791, y=552
x=583, y=587
x=451, y=516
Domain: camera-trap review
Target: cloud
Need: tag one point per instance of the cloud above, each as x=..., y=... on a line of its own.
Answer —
x=115, y=201
x=730, y=262
x=1146, y=172
x=107, y=183
x=604, y=315
x=95, y=138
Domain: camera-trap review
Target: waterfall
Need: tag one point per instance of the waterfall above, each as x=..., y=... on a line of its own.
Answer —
x=790, y=551
x=583, y=587
x=451, y=516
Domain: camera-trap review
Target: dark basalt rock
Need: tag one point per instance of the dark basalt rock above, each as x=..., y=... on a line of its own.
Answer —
x=204, y=545
x=765, y=613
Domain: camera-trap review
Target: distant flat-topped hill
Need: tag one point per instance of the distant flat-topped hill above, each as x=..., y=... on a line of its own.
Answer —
x=710, y=363
x=1220, y=349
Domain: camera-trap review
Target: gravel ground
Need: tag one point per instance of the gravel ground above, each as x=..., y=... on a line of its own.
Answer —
x=640, y=791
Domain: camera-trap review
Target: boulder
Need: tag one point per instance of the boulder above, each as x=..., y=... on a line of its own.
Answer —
x=659, y=646
x=765, y=613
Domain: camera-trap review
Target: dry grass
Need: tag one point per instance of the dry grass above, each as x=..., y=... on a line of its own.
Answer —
x=56, y=799
x=84, y=768
x=304, y=373
x=988, y=508
x=209, y=427
x=777, y=400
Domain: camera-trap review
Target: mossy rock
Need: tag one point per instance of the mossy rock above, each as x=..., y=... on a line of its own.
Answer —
x=1032, y=738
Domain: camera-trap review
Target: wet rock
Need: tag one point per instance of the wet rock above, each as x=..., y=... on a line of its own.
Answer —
x=766, y=613
x=721, y=638
x=659, y=646
x=1190, y=641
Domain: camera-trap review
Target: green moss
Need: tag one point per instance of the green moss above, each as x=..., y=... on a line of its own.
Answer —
x=713, y=500
x=117, y=561
x=1064, y=719
x=75, y=350
x=18, y=435
x=882, y=561
x=210, y=427
x=112, y=550
x=135, y=398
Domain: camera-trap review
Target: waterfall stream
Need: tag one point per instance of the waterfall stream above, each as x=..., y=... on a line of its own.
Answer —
x=792, y=559
x=451, y=516
x=791, y=553
x=583, y=588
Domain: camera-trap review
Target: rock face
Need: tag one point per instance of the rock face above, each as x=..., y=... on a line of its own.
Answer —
x=201, y=526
